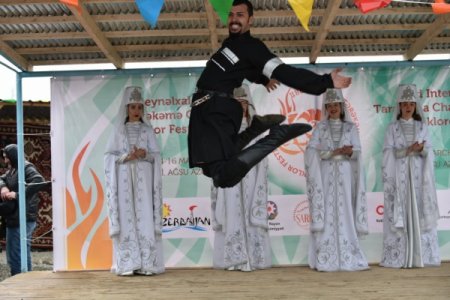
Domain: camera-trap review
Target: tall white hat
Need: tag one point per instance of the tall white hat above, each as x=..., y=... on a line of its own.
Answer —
x=133, y=94
x=333, y=96
x=407, y=93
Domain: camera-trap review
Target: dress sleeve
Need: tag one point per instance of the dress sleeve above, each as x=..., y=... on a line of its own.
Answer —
x=314, y=183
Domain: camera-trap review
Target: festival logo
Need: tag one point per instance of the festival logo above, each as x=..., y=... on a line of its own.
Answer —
x=308, y=116
x=352, y=113
x=290, y=155
x=188, y=220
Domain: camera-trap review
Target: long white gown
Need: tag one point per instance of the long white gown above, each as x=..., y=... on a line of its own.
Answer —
x=410, y=201
x=336, y=194
x=240, y=223
x=134, y=193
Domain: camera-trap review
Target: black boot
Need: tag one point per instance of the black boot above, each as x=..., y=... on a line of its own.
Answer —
x=235, y=169
x=259, y=125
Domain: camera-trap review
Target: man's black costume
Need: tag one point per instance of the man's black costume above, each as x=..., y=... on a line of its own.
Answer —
x=216, y=117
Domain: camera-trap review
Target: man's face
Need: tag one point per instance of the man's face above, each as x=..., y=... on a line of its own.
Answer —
x=239, y=21
x=7, y=161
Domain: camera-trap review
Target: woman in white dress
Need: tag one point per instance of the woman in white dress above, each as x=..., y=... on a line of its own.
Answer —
x=410, y=201
x=133, y=187
x=336, y=190
x=239, y=214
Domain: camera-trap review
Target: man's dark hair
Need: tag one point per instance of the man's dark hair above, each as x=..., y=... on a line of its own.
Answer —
x=246, y=2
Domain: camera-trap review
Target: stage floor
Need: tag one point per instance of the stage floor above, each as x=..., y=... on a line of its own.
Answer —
x=275, y=283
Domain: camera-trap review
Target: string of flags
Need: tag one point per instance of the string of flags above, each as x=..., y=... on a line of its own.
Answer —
x=150, y=9
x=365, y=6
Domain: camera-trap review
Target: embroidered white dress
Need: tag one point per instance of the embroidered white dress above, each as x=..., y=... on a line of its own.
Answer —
x=240, y=223
x=134, y=193
x=336, y=194
x=410, y=201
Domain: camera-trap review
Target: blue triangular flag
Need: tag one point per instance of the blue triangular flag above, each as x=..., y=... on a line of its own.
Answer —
x=150, y=10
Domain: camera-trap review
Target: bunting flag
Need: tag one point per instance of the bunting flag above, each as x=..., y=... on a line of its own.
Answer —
x=150, y=10
x=303, y=10
x=438, y=7
x=366, y=6
x=222, y=8
x=74, y=3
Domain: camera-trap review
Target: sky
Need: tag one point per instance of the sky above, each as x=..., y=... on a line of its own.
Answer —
x=38, y=88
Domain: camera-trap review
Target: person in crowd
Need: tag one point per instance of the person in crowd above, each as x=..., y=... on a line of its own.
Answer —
x=134, y=190
x=336, y=190
x=410, y=202
x=213, y=141
x=9, y=207
x=239, y=213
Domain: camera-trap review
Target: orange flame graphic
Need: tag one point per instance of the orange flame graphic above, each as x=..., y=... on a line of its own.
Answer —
x=289, y=109
x=95, y=259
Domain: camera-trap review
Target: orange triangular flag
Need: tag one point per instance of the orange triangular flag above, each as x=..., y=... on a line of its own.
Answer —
x=74, y=3
x=303, y=10
x=440, y=7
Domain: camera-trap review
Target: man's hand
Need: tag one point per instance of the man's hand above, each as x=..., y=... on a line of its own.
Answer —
x=10, y=196
x=272, y=85
x=4, y=192
x=340, y=81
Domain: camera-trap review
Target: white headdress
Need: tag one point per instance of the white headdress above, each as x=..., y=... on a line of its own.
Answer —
x=133, y=94
x=407, y=93
x=334, y=96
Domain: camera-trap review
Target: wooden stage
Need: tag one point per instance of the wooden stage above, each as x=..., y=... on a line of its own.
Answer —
x=276, y=283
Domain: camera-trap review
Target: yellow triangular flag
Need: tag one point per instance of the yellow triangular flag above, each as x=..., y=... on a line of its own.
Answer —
x=303, y=10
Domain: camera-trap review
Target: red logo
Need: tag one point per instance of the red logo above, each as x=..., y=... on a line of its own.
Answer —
x=301, y=214
x=310, y=116
x=380, y=210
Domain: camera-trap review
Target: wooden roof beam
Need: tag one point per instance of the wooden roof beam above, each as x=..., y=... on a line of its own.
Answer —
x=211, y=15
x=15, y=58
x=325, y=25
x=204, y=32
x=427, y=36
x=96, y=34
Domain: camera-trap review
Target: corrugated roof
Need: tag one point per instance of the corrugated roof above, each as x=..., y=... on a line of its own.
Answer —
x=44, y=32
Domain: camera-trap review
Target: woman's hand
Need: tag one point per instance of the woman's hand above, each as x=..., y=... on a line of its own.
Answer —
x=345, y=150
x=416, y=147
x=137, y=153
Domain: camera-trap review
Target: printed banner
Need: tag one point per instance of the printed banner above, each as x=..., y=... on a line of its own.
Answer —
x=84, y=107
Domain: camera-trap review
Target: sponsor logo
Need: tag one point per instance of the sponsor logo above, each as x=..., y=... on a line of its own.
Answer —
x=445, y=216
x=301, y=214
x=189, y=221
x=272, y=210
x=379, y=212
